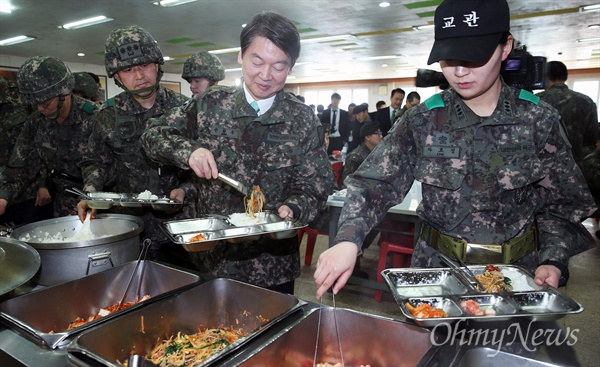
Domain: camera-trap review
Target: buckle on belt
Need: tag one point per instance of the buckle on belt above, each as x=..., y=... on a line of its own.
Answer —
x=482, y=254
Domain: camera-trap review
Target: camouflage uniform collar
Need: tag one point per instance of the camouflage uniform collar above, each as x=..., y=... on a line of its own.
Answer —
x=559, y=86
x=124, y=101
x=243, y=108
x=461, y=116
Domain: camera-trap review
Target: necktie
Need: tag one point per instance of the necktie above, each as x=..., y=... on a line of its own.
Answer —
x=393, y=116
x=333, y=125
x=254, y=105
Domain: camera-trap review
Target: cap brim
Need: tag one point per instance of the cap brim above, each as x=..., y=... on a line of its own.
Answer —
x=471, y=49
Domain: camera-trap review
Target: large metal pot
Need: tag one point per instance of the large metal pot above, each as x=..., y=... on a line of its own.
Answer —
x=66, y=261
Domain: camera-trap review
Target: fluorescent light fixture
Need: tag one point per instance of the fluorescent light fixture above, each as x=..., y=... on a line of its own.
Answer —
x=168, y=58
x=15, y=40
x=589, y=8
x=236, y=69
x=81, y=54
x=5, y=8
x=225, y=50
x=385, y=57
x=327, y=38
x=384, y=4
x=423, y=27
x=169, y=3
x=87, y=22
x=592, y=26
x=595, y=39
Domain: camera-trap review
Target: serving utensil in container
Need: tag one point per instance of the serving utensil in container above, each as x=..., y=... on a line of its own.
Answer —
x=462, y=270
x=233, y=183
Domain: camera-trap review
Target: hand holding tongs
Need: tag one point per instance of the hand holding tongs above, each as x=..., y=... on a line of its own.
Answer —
x=463, y=270
x=233, y=183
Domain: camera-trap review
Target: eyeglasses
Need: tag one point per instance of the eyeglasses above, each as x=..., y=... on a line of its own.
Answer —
x=45, y=105
x=378, y=132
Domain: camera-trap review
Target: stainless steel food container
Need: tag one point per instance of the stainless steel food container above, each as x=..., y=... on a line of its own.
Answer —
x=365, y=339
x=19, y=262
x=36, y=314
x=65, y=261
x=216, y=303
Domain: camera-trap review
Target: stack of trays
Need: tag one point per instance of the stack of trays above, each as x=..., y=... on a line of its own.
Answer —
x=216, y=228
x=105, y=200
x=43, y=316
x=440, y=288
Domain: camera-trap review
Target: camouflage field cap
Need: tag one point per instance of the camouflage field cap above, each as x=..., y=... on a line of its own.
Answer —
x=41, y=78
x=130, y=46
x=203, y=64
x=85, y=85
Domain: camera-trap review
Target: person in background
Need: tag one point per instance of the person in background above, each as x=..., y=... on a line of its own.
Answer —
x=320, y=109
x=371, y=136
x=114, y=159
x=259, y=135
x=101, y=91
x=13, y=114
x=493, y=163
x=579, y=113
x=412, y=99
x=386, y=116
x=340, y=124
x=202, y=70
x=361, y=116
x=85, y=87
x=380, y=104
x=53, y=138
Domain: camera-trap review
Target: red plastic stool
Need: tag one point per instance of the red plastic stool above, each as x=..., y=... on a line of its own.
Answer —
x=401, y=255
x=310, y=242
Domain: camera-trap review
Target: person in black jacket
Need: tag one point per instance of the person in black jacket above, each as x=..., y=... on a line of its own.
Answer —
x=340, y=124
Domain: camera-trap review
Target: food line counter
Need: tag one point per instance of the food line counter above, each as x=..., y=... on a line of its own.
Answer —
x=466, y=343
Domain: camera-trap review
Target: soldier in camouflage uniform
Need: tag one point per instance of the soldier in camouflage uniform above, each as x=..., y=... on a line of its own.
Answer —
x=53, y=139
x=492, y=160
x=85, y=86
x=278, y=145
x=114, y=159
x=202, y=70
x=13, y=114
x=371, y=136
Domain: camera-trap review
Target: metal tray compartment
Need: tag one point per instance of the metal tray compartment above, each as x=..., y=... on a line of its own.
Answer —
x=424, y=282
x=365, y=339
x=217, y=303
x=525, y=284
x=498, y=303
x=546, y=302
x=105, y=200
x=219, y=228
x=443, y=303
x=36, y=314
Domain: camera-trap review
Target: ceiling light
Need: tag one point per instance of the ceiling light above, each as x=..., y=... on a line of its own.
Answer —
x=595, y=39
x=15, y=40
x=168, y=3
x=236, y=69
x=589, y=8
x=384, y=4
x=423, y=27
x=87, y=22
x=5, y=8
x=384, y=65
x=225, y=50
x=591, y=26
x=327, y=38
x=378, y=57
x=81, y=54
x=168, y=58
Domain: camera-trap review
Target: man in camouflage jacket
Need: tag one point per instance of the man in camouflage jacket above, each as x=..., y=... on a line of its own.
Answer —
x=53, y=139
x=114, y=159
x=492, y=160
x=280, y=148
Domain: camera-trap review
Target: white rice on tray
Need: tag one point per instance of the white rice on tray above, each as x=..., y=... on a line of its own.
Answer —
x=147, y=195
x=519, y=282
x=242, y=219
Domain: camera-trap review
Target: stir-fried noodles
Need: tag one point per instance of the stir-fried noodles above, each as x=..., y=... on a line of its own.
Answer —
x=494, y=281
x=255, y=203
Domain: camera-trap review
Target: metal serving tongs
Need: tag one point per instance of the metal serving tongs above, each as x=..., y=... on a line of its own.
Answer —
x=233, y=183
x=337, y=331
x=462, y=270
x=141, y=259
x=76, y=191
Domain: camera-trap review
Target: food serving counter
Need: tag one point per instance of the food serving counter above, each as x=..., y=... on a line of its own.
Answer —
x=464, y=343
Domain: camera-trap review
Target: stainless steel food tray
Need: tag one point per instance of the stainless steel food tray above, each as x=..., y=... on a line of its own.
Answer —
x=216, y=228
x=216, y=303
x=34, y=315
x=105, y=200
x=442, y=289
x=366, y=340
